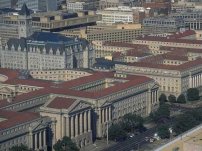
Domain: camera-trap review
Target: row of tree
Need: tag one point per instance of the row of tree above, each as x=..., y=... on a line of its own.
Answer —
x=192, y=95
x=130, y=123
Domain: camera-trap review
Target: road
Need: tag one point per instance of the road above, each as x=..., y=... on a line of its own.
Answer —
x=132, y=143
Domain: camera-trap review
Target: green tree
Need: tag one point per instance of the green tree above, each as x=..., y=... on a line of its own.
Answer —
x=184, y=122
x=65, y=144
x=192, y=94
x=172, y=98
x=162, y=98
x=181, y=99
x=19, y=148
x=163, y=131
x=162, y=112
x=130, y=122
x=116, y=131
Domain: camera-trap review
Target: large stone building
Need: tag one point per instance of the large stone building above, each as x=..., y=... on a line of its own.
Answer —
x=80, y=108
x=173, y=79
x=29, y=129
x=81, y=5
x=162, y=24
x=111, y=49
x=10, y=22
x=123, y=14
x=113, y=33
x=45, y=50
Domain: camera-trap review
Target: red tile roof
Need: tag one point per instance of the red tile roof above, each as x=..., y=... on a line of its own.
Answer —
x=138, y=47
x=65, y=88
x=181, y=67
x=182, y=34
x=30, y=82
x=180, y=49
x=11, y=74
x=61, y=103
x=167, y=39
x=16, y=118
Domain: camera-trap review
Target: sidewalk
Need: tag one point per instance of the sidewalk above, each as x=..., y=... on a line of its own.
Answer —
x=98, y=145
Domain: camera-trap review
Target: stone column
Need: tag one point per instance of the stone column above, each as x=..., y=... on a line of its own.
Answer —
x=30, y=138
x=72, y=126
x=103, y=115
x=67, y=126
x=110, y=114
x=149, y=105
x=81, y=123
x=85, y=122
x=44, y=138
x=40, y=140
x=35, y=137
x=89, y=120
x=151, y=97
x=106, y=114
x=54, y=130
x=76, y=125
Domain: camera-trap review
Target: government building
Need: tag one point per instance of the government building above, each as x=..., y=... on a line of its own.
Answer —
x=80, y=108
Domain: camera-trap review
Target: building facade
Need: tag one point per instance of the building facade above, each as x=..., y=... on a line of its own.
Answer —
x=115, y=33
x=123, y=14
x=46, y=51
x=82, y=5
x=28, y=129
x=86, y=104
x=162, y=25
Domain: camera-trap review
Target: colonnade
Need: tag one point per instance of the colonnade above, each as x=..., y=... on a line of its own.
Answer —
x=154, y=96
x=78, y=124
x=195, y=80
x=105, y=115
x=38, y=140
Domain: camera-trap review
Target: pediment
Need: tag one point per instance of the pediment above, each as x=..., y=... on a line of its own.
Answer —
x=80, y=106
x=106, y=103
x=5, y=90
x=154, y=86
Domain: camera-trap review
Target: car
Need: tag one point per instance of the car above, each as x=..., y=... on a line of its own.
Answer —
x=151, y=140
x=146, y=139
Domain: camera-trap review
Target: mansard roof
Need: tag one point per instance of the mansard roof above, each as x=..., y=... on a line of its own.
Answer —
x=50, y=37
x=16, y=43
x=24, y=10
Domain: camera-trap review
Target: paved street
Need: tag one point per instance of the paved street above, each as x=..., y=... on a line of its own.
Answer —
x=133, y=143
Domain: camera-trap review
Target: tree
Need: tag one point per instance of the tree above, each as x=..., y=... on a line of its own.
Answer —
x=19, y=148
x=181, y=99
x=172, y=98
x=115, y=132
x=162, y=98
x=163, y=112
x=130, y=122
x=163, y=131
x=65, y=144
x=184, y=122
x=192, y=94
